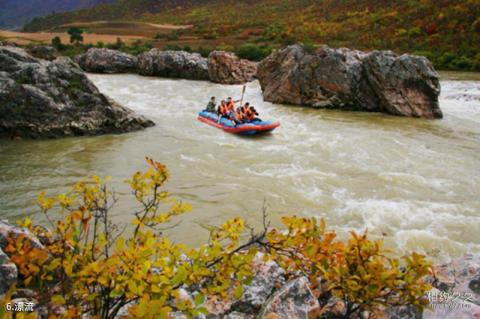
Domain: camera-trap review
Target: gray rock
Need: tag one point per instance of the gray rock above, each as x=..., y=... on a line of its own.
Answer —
x=454, y=308
x=460, y=277
x=403, y=312
x=44, y=52
x=333, y=308
x=11, y=231
x=405, y=85
x=107, y=61
x=474, y=284
x=238, y=315
x=295, y=300
x=52, y=99
x=267, y=277
x=227, y=68
x=378, y=81
x=173, y=64
x=8, y=273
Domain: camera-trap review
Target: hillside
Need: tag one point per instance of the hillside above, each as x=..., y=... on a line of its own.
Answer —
x=14, y=13
x=447, y=31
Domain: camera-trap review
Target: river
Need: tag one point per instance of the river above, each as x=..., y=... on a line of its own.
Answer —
x=414, y=183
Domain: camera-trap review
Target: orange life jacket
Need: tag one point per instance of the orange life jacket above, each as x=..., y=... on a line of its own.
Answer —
x=250, y=115
x=231, y=106
x=223, y=109
x=239, y=115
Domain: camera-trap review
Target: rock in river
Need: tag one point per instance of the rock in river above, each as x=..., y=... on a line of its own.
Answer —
x=40, y=98
x=107, y=61
x=227, y=68
x=378, y=81
x=173, y=64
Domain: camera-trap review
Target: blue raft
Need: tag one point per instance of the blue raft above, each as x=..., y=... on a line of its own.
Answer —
x=251, y=128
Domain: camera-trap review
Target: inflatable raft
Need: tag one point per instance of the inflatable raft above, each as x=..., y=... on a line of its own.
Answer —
x=252, y=128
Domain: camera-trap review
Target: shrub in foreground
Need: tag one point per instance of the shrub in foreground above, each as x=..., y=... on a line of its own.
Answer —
x=92, y=266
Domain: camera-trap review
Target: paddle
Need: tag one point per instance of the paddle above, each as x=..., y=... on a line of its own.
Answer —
x=241, y=103
x=243, y=93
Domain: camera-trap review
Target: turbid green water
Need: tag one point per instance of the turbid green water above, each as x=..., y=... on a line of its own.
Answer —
x=415, y=183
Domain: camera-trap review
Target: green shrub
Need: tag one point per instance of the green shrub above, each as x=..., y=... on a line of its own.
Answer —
x=429, y=55
x=414, y=32
x=476, y=63
x=446, y=59
x=173, y=36
x=462, y=63
x=225, y=47
x=205, y=51
x=452, y=61
x=172, y=47
x=57, y=43
x=252, y=52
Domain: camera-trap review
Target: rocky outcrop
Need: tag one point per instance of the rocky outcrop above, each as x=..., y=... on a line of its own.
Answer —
x=52, y=99
x=379, y=81
x=8, y=273
x=107, y=61
x=10, y=231
x=227, y=68
x=8, y=270
x=173, y=64
x=294, y=300
x=268, y=276
x=455, y=293
x=461, y=276
x=44, y=52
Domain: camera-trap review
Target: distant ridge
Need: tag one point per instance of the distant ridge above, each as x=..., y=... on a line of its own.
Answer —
x=14, y=13
x=446, y=31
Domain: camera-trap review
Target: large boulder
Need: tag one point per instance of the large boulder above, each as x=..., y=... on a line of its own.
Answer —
x=227, y=68
x=51, y=99
x=107, y=61
x=379, y=81
x=173, y=64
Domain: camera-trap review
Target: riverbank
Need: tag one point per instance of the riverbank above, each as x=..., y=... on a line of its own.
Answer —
x=272, y=283
x=459, y=76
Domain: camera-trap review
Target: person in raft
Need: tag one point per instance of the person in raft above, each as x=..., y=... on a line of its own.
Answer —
x=249, y=113
x=212, y=105
x=226, y=108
